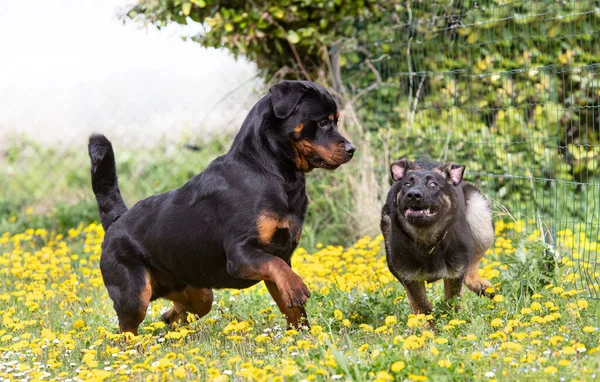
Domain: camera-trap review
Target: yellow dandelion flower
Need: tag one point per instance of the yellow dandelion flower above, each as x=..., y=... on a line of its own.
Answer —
x=555, y=339
x=417, y=378
x=383, y=376
x=338, y=314
x=476, y=356
x=390, y=320
x=398, y=366
x=550, y=370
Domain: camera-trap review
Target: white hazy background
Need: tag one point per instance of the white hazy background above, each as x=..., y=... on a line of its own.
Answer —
x=71, y=67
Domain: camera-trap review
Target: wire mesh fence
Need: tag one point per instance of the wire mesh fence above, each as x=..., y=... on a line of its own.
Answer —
x=512, y=91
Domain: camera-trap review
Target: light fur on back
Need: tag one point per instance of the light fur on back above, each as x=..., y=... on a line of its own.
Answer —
x=479, y=218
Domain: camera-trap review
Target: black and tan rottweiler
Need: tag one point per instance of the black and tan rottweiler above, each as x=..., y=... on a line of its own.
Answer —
x=435, y=227
x=231, y=226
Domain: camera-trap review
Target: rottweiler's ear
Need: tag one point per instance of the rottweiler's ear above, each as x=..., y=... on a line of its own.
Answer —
x=399, y=168
x=285, y=96
x=453, y=172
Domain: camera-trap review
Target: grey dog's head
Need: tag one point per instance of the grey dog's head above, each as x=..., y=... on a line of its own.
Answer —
x=425, y=194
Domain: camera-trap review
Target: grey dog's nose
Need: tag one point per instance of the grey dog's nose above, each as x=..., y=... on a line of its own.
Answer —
x=350, y=149
x=415, y=195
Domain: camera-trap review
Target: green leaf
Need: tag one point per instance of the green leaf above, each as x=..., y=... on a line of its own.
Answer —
x=199, y=3
x=186, y=8
x=293, y=37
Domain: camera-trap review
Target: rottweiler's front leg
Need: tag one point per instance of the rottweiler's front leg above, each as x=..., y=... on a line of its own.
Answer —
x=249, y=263
x=296, y=317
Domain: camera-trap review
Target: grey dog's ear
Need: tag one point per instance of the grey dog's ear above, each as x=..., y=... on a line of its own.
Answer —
x=285, y=96
x=399, y=168
x=453, y=172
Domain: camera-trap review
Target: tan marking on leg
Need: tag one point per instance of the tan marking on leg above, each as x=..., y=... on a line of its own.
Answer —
x=295, y=317
x=475, y=282
x=147, y=291
x=199, y=300
x=130, y=321
x=194, y=300
x=176, y=313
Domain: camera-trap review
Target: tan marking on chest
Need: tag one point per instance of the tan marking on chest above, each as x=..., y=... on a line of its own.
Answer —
x=268, y=223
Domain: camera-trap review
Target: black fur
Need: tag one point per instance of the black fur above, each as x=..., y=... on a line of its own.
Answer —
x=104, y=180
x=208, y=233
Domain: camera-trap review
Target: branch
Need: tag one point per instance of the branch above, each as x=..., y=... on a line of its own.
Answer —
x=374, y=85
x=268, y=17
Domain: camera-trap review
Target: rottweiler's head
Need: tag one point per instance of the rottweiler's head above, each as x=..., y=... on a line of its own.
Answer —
x=425, y=196
x=308, y=115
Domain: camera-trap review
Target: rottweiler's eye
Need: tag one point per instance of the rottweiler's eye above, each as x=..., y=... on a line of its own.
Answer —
x=323, y=123
x=432, y=185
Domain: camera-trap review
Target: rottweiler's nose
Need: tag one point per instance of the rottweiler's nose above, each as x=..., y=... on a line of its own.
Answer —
x=414, y=195
x=350, y=149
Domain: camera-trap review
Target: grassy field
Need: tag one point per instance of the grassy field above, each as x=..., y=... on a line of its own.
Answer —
x=58, y=322
x=49, y=187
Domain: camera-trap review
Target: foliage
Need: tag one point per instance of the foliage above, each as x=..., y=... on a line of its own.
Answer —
x=508, y=88
x=293, y=35
x=58, y=322
x=64, y=198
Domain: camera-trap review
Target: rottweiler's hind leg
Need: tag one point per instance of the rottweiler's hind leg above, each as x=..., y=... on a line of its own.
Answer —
x=131, y=298
x=194, y=300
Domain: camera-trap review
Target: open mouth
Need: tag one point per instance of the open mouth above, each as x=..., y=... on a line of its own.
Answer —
x=418, y=212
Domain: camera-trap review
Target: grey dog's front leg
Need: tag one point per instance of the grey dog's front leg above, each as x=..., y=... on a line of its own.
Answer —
x=417, y=296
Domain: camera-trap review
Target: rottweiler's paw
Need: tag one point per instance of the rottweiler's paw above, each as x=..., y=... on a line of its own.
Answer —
x=294, y=292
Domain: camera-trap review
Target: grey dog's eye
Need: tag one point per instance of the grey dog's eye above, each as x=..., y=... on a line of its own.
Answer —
x=432, y=185
x=323, y=123
x=407, y=184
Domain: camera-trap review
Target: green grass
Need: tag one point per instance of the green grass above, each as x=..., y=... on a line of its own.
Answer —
x=50, y=188
x=58, y=322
